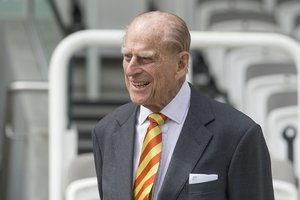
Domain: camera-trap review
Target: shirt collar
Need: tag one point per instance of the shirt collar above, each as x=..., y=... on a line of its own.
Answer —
x=175, y=110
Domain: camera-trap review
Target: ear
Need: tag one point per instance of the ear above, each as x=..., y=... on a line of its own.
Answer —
x=182, y=64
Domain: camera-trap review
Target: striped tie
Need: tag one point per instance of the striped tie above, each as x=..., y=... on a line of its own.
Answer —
x=150, y=158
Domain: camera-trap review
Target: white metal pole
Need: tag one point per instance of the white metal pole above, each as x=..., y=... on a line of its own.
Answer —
x=58, y=96
x=93, y=74
x=93, y=66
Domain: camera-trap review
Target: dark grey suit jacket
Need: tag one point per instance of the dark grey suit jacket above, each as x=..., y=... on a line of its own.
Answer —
x=215, y=139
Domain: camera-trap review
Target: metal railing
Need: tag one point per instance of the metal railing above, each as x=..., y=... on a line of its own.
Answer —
x=113, y=38
x=15, y=88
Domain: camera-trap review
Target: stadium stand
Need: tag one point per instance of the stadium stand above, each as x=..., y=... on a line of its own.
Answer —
x=234, y=20
x=207, y=8
x=286, y=12
x=244, y=64
x=259, y=81
x=284, y=180
x=263, y=89
x=282, y=122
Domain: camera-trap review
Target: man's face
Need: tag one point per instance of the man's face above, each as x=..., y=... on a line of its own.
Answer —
x=151, y=71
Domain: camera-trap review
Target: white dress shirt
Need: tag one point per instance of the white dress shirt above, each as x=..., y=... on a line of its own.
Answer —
x=176, y=112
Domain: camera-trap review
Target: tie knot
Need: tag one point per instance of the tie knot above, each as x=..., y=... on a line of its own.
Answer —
x=157, y=118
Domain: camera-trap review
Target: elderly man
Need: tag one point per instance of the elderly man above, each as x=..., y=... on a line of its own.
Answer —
x=171, y=142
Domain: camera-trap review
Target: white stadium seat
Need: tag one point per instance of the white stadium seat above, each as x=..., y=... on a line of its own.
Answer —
x=234, y=20
x=278, y=121
x=260, y=90
x=83, y=189
x=286, y=12
x=284, y=190
x=245, y=63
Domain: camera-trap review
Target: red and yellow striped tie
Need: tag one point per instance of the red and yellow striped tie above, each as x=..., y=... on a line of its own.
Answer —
x=150, y=158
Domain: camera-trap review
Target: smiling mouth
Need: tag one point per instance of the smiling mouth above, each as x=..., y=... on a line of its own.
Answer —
x=140, y=84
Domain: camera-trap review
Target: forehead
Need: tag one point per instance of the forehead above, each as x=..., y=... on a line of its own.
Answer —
x=143, y=38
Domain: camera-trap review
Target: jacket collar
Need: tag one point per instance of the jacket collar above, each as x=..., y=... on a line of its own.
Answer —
x=193, y=140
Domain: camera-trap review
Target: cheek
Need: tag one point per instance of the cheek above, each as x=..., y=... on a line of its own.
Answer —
x=169, y=77
x=124, y=67
x=164, y=83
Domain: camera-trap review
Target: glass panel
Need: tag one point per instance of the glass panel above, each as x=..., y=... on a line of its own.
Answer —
x=39, y=14
x=12, y=8
x=42, y=10
x=46, y=27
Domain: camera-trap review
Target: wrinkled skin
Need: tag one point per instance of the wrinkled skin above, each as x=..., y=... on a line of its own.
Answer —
x=153, y=72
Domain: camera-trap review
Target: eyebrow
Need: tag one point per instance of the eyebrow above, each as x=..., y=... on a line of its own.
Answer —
x=124, y=51
x=141, y=53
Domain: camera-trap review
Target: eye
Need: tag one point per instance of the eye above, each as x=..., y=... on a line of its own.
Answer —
x=127, y=57
x=145, y=60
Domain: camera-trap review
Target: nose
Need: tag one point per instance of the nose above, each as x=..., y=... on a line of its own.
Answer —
x=132, y=67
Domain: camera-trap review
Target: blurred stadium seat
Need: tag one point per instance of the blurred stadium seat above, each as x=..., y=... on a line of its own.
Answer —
x=261, y=82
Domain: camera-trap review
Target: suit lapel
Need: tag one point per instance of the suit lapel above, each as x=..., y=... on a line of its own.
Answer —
x=123, y=147
x=190, y=146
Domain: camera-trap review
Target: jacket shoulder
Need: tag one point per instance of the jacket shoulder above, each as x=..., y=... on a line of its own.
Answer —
x=115, y=118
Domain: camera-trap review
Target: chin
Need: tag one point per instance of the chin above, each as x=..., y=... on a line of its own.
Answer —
x=137, y=101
